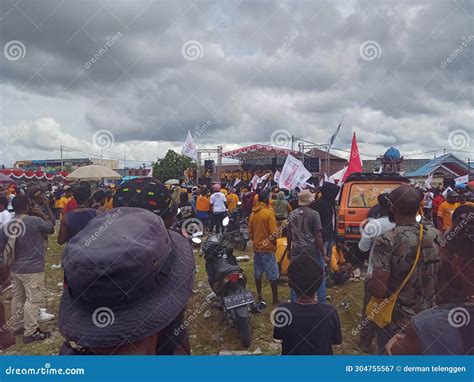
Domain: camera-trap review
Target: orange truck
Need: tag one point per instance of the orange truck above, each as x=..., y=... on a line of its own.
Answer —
x=358, y=195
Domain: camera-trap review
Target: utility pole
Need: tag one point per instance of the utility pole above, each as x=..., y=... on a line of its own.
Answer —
x=124, y=157
x=61, y=150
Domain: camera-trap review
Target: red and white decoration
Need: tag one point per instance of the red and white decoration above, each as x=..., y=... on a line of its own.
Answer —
x=33, y=175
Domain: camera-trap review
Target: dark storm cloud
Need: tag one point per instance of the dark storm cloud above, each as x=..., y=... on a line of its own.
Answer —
x=265, y=66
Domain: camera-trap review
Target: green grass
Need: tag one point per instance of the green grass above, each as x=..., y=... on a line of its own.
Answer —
x=207, y=335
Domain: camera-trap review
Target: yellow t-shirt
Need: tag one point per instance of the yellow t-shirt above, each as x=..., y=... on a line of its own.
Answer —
x=109, y=204
x=232, y=200
x=337, y=258
x=445, y=212
x=62, y=202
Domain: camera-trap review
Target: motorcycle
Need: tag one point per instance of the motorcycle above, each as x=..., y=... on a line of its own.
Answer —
x=239, y=228
x=228, y=281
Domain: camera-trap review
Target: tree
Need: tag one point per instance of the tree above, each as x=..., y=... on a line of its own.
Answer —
x=172, y=166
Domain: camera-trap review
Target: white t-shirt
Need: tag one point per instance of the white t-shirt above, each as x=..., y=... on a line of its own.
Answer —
x=5, y=217
x=381, y=226
x=429, y=200
x=218, y=202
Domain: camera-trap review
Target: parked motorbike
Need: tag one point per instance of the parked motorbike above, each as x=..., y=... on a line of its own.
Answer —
x=238, y=226
x=228, y=281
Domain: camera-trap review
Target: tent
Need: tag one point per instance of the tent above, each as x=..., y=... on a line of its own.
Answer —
x=93, y=172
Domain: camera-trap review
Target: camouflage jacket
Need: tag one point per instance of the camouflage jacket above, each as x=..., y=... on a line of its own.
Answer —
x=394, y=252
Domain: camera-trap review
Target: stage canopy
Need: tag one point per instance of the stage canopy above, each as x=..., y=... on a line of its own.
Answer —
x=32, y=175
x=259, y=151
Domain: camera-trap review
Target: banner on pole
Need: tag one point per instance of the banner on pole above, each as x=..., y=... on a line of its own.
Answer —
x=293, y=174
x=189, y=147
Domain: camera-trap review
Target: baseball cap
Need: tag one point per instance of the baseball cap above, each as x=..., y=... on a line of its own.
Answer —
x=127, y=278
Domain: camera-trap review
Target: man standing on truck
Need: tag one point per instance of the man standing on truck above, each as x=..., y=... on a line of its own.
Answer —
x=394, y=254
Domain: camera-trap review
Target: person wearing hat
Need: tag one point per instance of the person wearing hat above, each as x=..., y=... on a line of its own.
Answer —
x=394, y=254
x=446, y=210
x=127, y=289
x=304, y=236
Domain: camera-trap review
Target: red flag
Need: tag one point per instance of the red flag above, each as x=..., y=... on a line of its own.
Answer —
x=355, y=163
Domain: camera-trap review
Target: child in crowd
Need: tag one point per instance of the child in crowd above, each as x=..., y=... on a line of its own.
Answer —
x=306, y=327
x=341, y=269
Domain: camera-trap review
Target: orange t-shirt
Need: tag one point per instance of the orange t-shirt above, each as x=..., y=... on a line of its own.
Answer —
x=232, y=200
x=445, y=212
x=203, y=203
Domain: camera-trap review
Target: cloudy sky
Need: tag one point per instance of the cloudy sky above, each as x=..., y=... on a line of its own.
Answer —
x=136, y=75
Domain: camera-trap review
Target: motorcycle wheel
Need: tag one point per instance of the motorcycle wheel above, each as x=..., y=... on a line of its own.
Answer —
x=243, y=326
x=242, y=246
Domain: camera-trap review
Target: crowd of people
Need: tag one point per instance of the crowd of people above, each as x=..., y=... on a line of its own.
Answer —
x=419, y=269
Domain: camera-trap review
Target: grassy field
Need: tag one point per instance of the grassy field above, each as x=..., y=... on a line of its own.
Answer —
x=207, y=330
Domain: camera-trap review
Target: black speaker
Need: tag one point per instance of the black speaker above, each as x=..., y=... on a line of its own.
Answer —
x=205, y=181
x=209, y=165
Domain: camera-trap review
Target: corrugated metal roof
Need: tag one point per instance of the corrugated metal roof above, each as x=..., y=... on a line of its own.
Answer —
x=434, y=164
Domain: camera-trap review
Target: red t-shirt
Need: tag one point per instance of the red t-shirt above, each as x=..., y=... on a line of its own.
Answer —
x=70, y=206
x=438, y=199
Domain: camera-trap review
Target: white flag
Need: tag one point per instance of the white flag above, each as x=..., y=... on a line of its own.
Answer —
x=462, y=179
x=189, y=148
x=260, y=180
x=429, y=181
x=276, y=177
x=254, y=182
x=293, y=174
